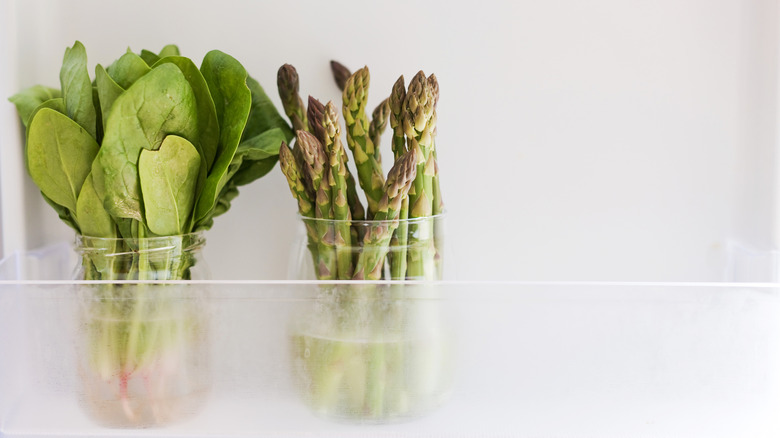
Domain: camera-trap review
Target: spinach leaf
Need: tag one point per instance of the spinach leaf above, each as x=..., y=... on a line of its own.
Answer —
x=127, y=69
x=158, y=104
x=169, y=50
x=56, y=104
x=77, y=88
x=128, y=229
x=168, y=177
x=262, y=146
x=263, y=114
x=229, y=193
x=108, y=91
x=31, y=98
x=226, y=79
x=63, y=213
x=258, y=156
x=59, y=156
x=149, y=57
x=208, y=126
x=253, y=170
x=98, y=115
x=92, y=218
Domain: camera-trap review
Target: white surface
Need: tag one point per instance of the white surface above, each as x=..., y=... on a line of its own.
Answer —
x=535, y=360
x=599, y=140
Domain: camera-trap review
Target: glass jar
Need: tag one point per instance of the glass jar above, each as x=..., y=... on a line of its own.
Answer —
x=366, y=351
x=409, y=249
x=144, y=351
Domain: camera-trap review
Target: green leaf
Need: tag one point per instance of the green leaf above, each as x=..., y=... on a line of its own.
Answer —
x=59, y=156
x=56, y=104
x=253, y=170
x=262, y=146
x=263, y=114
x=229, y=193
x=92, y=218
x=127, y=69
x=149, y=57
x=258, y=155
x=169, y=50
x=160, y=103
x=208, y=126
x=77, y=88
x=29, y=99
x=226, y=79
x=128, y=229
x=63, y=213
x=168, y=177
x=108, y=91
x=98, y=115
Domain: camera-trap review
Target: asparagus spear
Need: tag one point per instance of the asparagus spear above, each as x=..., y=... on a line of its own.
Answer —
x=338, y=172
x=295, y=181
x=377, y=239
x=400, y=237
x=355, y=206
x=340, y=74
x=378, y=125
x=369, y=170
x=316, y=121
x=396, y=102
x=288, y=84
x=318, y=171
x=419, y=123
x=378, y=116
x=438, y=203
x=316, y=114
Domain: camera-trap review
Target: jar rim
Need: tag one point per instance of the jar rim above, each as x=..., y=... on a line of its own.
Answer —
x=367, y=222
x=194, y=241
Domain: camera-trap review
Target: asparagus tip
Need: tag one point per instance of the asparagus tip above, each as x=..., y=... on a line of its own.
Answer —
x=340, y=73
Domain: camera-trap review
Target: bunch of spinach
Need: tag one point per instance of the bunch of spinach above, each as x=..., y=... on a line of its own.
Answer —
x=136, y=159
x=152, y=146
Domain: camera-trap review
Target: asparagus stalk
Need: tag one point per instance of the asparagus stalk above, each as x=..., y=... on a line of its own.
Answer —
x=319, y=174
x=288, y=84
x=340, y=74
x=378, y=125
x=295, y=181
x=355, y=206
x=377, y=239
x=419, y=124
x=438, y=203
x=369, y=170
x=338, y=172
x=316, y=115
x=400, y=237
x=396, y=103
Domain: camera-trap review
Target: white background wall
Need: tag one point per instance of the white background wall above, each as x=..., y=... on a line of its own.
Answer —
x=598, y=140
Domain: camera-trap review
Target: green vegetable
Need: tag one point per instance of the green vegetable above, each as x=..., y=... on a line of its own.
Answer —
x=348, y=364
x=59, y=154
x=155, y=146
x=168, y=177
x=77, y=89
x=226, y=79
x=128, y=69
x=28, y=100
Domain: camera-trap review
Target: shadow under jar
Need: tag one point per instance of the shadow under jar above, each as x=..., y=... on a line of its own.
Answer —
x=143, y=346
x=370, y=352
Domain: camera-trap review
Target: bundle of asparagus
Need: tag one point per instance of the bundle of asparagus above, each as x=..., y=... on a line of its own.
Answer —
x=365, y=351
x=399, y=208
